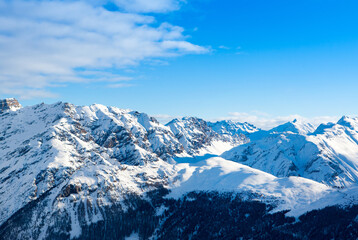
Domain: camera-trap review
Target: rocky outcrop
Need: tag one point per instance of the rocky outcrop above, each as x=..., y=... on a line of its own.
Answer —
x=9, y=104
x=200, y=137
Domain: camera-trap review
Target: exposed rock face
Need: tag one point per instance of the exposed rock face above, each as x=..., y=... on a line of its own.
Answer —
x=9, y=104
x=199, y=137
x=231, y=128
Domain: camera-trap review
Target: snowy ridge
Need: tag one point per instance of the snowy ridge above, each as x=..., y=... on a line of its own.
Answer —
x=295, y=126
x=198, y=137
x=296, y=194
x=218, y=174
x=329, y=155
x=231, y=128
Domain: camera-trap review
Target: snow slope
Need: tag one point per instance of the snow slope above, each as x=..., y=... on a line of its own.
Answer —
x=218, y=174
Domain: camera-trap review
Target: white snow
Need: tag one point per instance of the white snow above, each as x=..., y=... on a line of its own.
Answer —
x=218, y=174
x=296, y=126
x=199, y=137
x=329, y=155
x=228, y=127
x=104, y=153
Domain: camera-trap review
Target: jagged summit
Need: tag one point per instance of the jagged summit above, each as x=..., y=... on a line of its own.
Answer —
x=344, y=123
x=230, y=127
x=351, y=122
x=296, y=126
x=200, y=137
x=322, y=127
x=9, y=104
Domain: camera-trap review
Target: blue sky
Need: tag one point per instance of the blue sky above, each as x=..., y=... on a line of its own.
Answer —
x=260, y=61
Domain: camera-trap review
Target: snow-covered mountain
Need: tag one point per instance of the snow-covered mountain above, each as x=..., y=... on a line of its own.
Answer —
x=295, y=126
x=59, y=149
x=329, y=155
x=218, y=174
x=199, y=137
x=231, y=128
x=62, y=148
x=97, y=172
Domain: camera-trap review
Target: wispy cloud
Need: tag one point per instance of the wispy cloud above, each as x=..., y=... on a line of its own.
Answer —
x=120, y=85
x=267, y=121
x=224, y=47
x=47, y=43
x=164, y=118
x=149, y=5
x=29, y=93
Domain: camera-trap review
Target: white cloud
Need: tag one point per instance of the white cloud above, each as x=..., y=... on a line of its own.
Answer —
x=25, y=93
x=149, y=5
x=47, y=43
x=120, y=85
x=224, y=47
x=165, y=118
x=266, y=121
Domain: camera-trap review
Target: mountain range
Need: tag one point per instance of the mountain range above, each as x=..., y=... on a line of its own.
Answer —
x=327, y=155
x=97, y=172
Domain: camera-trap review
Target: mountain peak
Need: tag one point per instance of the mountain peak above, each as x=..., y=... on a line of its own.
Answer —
x=230, y=127
x=9, y=104
x=200, y=137
x=347, y=121
x=296, y=126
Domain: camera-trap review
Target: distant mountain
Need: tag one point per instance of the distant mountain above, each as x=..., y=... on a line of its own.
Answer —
x=199, y=137
x=97, y=172
x=295, y=126
x=328, y=155
x=231, y=128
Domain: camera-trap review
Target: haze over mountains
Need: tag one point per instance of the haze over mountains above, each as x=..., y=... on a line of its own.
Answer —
x=97, y=172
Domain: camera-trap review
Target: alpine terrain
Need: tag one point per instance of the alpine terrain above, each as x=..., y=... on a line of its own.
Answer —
x=98, y=172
